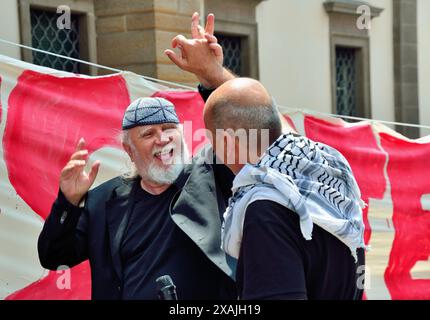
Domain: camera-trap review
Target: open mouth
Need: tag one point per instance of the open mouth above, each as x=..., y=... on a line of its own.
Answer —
x=165, y=155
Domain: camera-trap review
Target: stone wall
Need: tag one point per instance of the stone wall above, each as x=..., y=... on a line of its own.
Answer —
x=133, y=34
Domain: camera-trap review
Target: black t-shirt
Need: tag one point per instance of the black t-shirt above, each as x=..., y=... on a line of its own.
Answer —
x=277, y=262
x=153, y=246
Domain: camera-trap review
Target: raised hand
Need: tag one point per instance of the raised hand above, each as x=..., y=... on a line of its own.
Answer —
x=197, y=32
x=201, y=55
x=74, y=181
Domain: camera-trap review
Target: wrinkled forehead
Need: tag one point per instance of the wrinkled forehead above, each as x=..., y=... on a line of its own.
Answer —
x=155, y=128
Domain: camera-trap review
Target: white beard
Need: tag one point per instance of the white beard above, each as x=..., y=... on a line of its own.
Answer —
x=162, y=175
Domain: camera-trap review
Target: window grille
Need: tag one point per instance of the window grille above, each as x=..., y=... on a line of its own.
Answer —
x=232, y=52
x=346, y=81
x=45, y=35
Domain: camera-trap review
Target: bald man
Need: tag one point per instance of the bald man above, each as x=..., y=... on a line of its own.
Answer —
x=294, y=221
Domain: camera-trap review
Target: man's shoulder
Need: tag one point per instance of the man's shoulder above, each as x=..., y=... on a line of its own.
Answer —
x=269, y=211
x=269, y=206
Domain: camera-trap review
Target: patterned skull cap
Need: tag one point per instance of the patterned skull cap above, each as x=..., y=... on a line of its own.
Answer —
x=146, y=111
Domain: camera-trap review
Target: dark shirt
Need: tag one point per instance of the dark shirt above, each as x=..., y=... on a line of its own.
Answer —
x=153, y=246
x=277, y=262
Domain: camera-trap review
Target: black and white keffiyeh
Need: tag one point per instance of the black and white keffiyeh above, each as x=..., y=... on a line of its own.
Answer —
x=311, y=179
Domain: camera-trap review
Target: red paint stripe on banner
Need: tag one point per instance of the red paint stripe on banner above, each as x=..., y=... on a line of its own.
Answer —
x=72, y=284
x=290, y=122
x=409, y=173
x=46, y=117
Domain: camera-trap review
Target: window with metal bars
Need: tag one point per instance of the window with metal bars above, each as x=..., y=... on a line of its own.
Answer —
x=346, y=81
x=45, y=35
x=232, y=47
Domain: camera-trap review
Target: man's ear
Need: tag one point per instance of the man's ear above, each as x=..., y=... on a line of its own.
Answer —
x=127, y=149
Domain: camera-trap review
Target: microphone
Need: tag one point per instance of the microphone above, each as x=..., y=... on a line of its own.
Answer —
x=166, y=289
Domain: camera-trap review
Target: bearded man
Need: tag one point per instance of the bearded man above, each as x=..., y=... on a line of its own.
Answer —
x=162, y=219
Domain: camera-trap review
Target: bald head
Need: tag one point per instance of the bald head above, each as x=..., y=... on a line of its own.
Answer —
x=242, y=103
